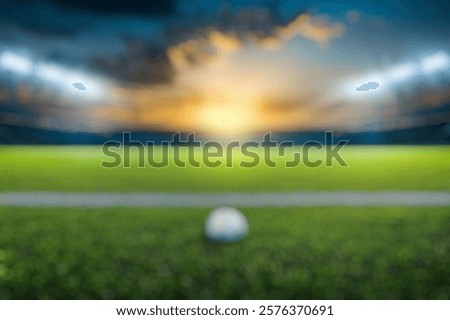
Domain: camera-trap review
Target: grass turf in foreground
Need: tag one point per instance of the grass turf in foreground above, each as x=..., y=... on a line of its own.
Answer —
x=291, y=253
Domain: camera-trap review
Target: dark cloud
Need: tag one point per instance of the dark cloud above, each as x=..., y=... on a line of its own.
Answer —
x=86, y=34
x=141, y=62
x=138, y=7
x=35, y=18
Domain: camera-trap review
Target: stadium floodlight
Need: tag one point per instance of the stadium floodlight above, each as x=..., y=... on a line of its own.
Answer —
x=356, y=88
x=64, y=79
x=95, y=87
x=403, y=72
x=436, y=62
x=56, y=76
x=387, y=79
x=13, y=62
x=49, y=72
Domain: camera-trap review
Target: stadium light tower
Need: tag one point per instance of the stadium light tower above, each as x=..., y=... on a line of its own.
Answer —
x=398, y=74
x=437, y=62
x=57, y=77
x=10, y=61
x=403, y=72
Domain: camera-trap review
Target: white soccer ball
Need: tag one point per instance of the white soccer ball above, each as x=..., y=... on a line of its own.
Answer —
x=226, y=224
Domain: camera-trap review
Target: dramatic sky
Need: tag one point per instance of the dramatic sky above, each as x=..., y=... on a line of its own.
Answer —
x=224, y=67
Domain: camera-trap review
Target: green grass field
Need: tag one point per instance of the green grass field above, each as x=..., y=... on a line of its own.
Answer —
x=290, y=253
x=78, y=169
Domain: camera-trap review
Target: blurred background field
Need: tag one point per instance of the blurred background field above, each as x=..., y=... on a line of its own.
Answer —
x=72, y=168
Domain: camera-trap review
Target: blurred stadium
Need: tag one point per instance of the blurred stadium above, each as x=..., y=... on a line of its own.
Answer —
x=76, y=74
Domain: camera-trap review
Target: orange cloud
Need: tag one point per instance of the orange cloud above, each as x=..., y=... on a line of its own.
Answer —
x=308, y=27
x=214, y=42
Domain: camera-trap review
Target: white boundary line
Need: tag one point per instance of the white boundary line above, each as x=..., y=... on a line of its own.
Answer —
x=202, y=200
